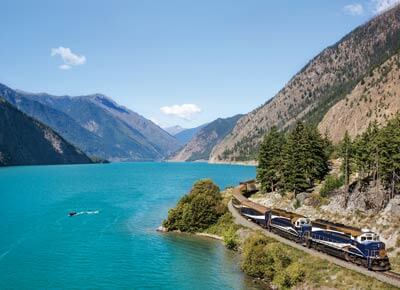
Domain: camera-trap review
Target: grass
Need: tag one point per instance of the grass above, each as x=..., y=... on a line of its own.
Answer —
x=395, y=263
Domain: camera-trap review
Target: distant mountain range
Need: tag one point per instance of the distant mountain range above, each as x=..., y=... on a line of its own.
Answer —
x=204, y=139
x=97, y=125
x=187, y=134
x=26, y=141
x=335, y=76
x=173, y=130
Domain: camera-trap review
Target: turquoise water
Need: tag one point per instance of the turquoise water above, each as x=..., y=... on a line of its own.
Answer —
x=113, y=243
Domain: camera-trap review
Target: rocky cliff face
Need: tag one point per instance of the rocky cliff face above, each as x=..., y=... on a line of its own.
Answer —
x=324, y=81
x=200, y=146
x=375, y=97
x=25, y=141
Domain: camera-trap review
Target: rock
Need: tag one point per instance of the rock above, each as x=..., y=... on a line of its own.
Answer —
x=393, y=207
x=162, y=229
x=302, y=196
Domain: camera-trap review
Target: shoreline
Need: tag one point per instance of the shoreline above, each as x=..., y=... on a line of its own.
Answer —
x=162, y=229
x=241, y=163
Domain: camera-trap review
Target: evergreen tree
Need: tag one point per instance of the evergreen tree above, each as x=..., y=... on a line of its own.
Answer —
x=305, y=158
x=346, y=153
x=270, y=162
x=388, y=142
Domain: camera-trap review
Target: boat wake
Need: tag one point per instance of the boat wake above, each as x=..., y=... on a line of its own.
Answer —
x=89, y=212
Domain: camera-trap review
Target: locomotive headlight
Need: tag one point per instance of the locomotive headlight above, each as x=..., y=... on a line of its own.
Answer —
x=382, y=253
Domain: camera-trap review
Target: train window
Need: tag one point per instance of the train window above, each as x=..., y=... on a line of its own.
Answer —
x=369, y=238
x=362, y=239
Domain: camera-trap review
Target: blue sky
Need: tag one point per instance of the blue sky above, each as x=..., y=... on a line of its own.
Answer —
x=176, y=62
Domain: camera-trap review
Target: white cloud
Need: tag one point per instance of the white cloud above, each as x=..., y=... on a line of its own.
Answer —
x=184, y=111
x=68, y=57
x=64, y=66
x=383, y=5
x=354, y=9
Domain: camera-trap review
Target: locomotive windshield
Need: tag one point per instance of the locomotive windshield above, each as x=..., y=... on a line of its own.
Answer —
x=368, y=237
x=303, y=222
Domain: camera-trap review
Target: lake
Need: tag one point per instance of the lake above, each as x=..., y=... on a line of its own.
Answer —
x=112, y=242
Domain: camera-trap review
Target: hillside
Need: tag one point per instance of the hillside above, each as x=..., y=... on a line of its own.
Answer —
x=186, y=135
x=25, y=141
x=97, y=125
x=324, y=81
x=376, y=97
x=200, y=146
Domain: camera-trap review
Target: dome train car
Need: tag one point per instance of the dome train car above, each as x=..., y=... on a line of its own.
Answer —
x=290, y=225
x=361, y=247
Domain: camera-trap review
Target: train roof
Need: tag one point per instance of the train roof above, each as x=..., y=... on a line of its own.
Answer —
x=244, y=201
x=287, y=214
x=248, y=181
x=337, y=227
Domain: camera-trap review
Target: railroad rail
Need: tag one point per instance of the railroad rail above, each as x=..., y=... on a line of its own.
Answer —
x=388, y=277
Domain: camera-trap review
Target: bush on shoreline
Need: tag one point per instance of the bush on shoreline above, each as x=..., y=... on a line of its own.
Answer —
x=227, y=229
x=267, y=259
x=198, y=210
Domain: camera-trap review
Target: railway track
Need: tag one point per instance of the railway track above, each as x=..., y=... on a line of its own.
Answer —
x=388, y=277
x=392, y=275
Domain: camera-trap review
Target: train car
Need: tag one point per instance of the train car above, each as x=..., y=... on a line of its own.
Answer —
x=248, y=187
x=290, y=225
x=251, y=210
x=287, y=224
x=361, y=247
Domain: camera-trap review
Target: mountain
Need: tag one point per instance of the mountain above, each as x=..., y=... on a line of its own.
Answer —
x=187, y=134
x=26, y=141
x=173, y=130
x=200, y=146
x=323, y=82
x=97, y=125
x=375, y=98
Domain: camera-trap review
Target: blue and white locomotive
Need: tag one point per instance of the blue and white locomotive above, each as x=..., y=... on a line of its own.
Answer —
x=361, y=247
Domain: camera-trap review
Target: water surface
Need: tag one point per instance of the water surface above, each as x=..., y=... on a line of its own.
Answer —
x=112, y=243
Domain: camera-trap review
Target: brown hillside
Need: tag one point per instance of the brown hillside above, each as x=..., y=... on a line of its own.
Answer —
x=376, y=97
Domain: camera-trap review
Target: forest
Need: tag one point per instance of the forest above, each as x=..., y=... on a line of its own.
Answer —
x=296, y=161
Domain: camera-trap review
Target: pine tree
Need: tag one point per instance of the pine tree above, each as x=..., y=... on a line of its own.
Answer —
x=388, y=142
x=346, y=153
x=305, y=158
x=270, y=162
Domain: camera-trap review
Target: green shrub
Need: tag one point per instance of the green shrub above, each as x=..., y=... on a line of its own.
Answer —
x=256, y=262
x=331, y=183
x=269, y=260
x=227, y=229
x=295, y=273
x=197, y=210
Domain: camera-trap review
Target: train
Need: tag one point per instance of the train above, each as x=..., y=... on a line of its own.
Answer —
x=359, y=246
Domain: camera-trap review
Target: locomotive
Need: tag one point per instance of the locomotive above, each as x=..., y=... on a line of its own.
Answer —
x=359, y=246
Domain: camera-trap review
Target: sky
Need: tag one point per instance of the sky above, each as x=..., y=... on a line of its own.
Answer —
x=174, y=62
